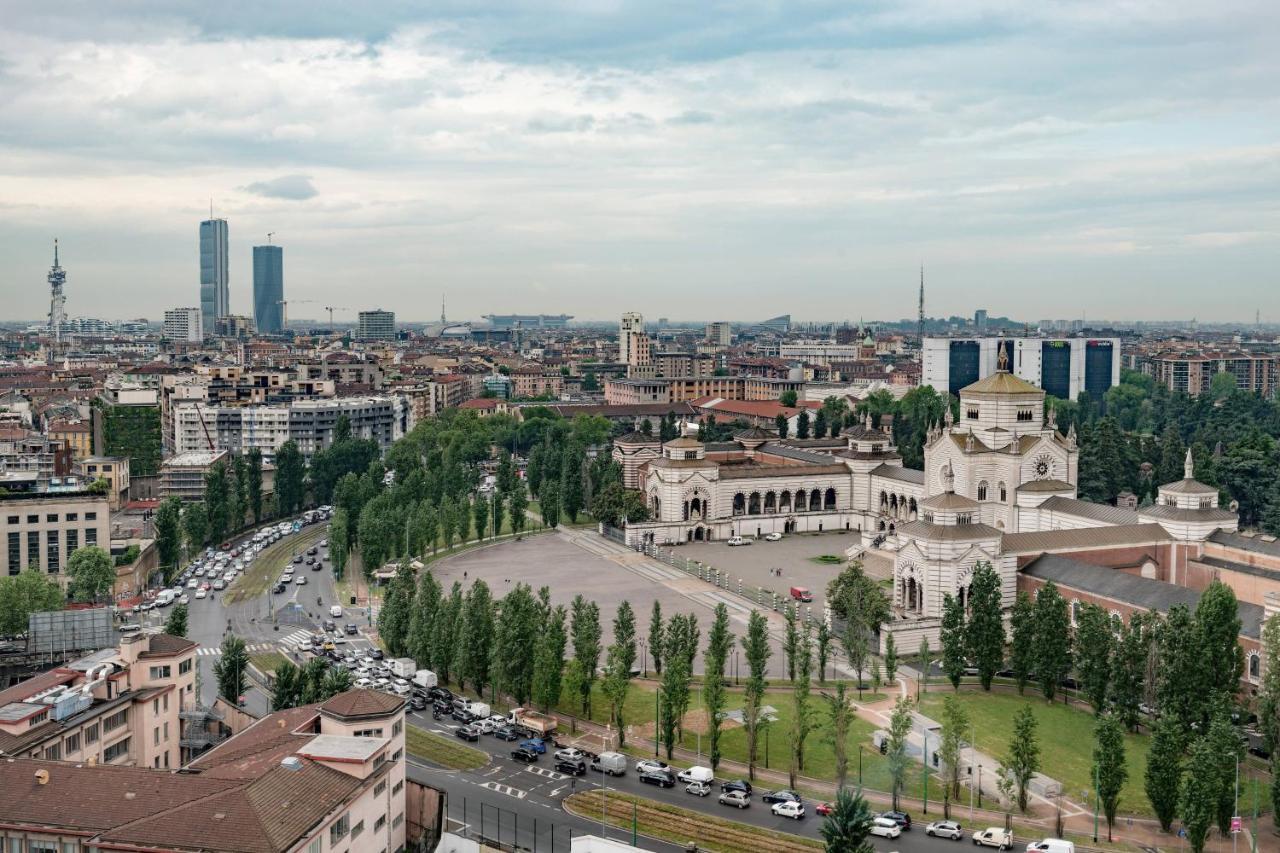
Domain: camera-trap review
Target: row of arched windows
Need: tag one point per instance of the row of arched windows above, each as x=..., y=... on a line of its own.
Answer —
x=772, y=503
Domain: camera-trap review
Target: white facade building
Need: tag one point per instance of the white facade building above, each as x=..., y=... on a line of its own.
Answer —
x=1062, y=367
x=183, y=324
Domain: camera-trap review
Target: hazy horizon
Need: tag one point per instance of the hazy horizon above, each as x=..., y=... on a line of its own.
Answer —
x=1042, y=160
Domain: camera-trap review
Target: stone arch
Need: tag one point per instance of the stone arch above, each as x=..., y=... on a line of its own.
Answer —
x=815, y=500
x=884, y=501
x=753, y=504
x=1004, y=492
x=770, y=503
x=739, y=504
x=893, y=505
x=656, y=505
x=829, y=500
x=784, y=502
x=982, y=490
x=801, y=502
x=1254, y=667
x=913, y=511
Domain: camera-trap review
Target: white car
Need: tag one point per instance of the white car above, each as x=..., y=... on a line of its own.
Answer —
x=219, y=584
x=336, y=611
x=484, y=726
x=200, y=593
x=885, y=828
x=650, y=764
x=184, y=599
x=772, y=537
x=788, y=808
x=738, y=540
x=300, y=580
x=362, y=682
x=193, y=584
x=570, y=754
x=945, y=829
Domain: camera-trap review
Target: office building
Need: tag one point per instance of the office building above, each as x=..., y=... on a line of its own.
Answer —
x=42, y=528
x=1063, y=367
x=633, y=343
x=376, y=325
x=184, y=324
x=529, y=321
x=215, y=297
x=980, y=319
x=268, y=289
x=719, y=334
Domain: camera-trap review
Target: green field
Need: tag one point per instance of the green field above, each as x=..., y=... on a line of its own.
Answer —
x=445, y=751
x=268, y=662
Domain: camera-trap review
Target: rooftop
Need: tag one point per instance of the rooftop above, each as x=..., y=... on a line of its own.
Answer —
x=1085, y=538
x=1105, y=513
x=1001, y=382
x=340, y=748
x=362, y=703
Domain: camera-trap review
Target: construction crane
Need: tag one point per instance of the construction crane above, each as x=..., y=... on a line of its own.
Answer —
x=270, y=234
x=284, y=307
x=331, y=309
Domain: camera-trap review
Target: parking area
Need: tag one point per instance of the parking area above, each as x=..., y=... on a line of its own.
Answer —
x=608, y=578
x=796, y=557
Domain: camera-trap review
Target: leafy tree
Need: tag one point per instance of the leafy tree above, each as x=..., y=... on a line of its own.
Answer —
x=311, y=681
x=790, y=640
x=922, y=660
x=952, y=636
x=674, y=690
x=585, y=633
x=290, y=472
x=841, y=715
x=1180, y=691
x=27, y=592
x=848, y=827
x=1108, y=766
x=443, y=636
x=719, y=641
x=1053, y=639
x=1022, y=649
x=896, y=746
x=822, y=644
x=780, y=424
x=92, y=573
x=1023, y=760
x=475, y=651
x=755, y=647
x=1094, y=646
x=551, y=503
x=195, y=525
x=169, y=535
x=619, y=662
x=656, y=635
x=336, y=680
x=339, y=540
x=217, y=501
x=1228, y=745
x=517, y=504
x=253, y=483
x=984, y=631
x=788, y=399
x=480, y=511
x=497, y=508
x=955, y=725
x=393, y=618
x=802, y=719
x=1269, y=706
x=1198, y=803
x=176, y=624
x=1128, y=665
x=229, y=669
x=820, y=424
x=426, y=602
x=1172, y=455
x=516, y=641
x=1217, y=626
x=571, y=492
x=548, y=661
x=802, y=424
x=682, y=644
x=1163, y=777
x=890, y=660
x=284, y=687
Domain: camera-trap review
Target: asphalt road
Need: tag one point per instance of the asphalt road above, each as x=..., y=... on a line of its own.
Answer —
x=519, y=795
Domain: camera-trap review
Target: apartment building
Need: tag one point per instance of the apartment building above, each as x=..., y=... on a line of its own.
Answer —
x=30, y=453
x=536, y=381
x=383, y=419
x=629, y=391
x=319, y=778
x=377, y=325
x=184, y=325
x=116, y=707
x=43, y=528
x=113, y=469
x=75, y=433
x=1192, y=371
x=182, y=475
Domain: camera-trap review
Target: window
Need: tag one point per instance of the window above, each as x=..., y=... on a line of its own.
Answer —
x=73, y=516
x=155, y=706
x=397, y=820
x=33, y=548
x=380, y=822
x=33, y=519
x=397, y=755
x=971, y=414
x=397, y=788
x=982, y=490
x=91, y=536
x=53, y=752
x=397, y=727
x=116, y=750
x=13, y=519
x=339, y=828
x=161, y=672
x=357, y=830
x=314, y=846
x=90, y=516
x=155, y=736
x=115, y=721
x=73, y=540
x=53, y=553
x=72, y=743
x=15, y=552
x=51, y=517
x=380, y=787
x=368, y=733
x=184, y=666
x=91, y=734
x=1255, y=666
x=34, y=846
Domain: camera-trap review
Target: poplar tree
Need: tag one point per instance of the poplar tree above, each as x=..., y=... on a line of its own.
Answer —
x=954, y=646
x=585, y=633
x=1053, y=639
x=984, y=631
x=755, y=647
x=656, y=635
x=719, y=642
x=1024, y=753
x=802, y=718
x=1094, y=645
x=548, y=665
x=1163, y=777
x=1022, y=649
x=1108, y=766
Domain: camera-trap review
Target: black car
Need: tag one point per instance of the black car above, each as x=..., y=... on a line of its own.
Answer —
x=442, y=694
x=315, y=567
x=572, y=768
x=311, y=561
x=329, y=625
x=377, y=654
x=312, y=551
x=350, y=629
x=783, y=796
x=902, y=819
x=470, y=733
x=528, y=756
x=661, y=778
x=464, y=716
x=298, y=558
x=736, y=785
x=507, y=733
x=278, y=588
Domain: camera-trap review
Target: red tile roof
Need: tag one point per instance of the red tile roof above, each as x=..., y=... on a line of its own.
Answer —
x=362, y=703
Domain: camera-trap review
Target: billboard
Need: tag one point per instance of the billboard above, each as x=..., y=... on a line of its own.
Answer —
x=70, y=630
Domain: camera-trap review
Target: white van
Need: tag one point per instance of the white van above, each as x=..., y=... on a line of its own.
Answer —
x=425, y=678
x=697, y=774
x=1051, y=845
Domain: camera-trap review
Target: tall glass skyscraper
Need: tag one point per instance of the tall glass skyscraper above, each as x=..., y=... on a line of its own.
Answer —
x=215, y=298
x=268, y=289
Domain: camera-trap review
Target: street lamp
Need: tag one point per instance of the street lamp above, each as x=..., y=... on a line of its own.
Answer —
x=656, y=722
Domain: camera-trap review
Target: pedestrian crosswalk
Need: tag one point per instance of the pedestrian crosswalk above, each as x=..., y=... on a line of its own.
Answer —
x=295, y=638
x=504, y=789
x=217, y=650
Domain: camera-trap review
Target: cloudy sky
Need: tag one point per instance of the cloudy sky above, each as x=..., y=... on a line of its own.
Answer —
x=703, y=160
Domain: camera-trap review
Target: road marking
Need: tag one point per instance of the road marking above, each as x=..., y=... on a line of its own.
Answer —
x=550, y=774
x=494, y=770
x=505, y=789
x=555, y=792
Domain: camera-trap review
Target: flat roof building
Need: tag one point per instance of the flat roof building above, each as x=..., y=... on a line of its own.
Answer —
x=376, y=325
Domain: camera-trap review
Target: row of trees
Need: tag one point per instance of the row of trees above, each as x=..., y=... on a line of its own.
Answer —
x=313, y=682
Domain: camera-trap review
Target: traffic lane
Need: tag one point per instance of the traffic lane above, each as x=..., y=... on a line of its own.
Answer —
x=538, y=781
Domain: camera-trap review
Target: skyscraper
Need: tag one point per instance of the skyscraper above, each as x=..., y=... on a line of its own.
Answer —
x=268, y=289
x=215, y=298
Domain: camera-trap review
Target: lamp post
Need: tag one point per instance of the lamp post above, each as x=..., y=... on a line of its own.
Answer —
x=656, y=722
x=1095, y=803
x=979, y=786
x=859, y=766
x=971, y=762
x=926, y=772
x=644, y=659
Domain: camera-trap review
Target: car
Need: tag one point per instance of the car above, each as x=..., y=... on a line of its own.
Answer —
x=311, y=561
x=772, y=537
x=884, y=828
x=737, y=785
x=200, y=593
x=528, y=756
x=506, y=733
x=661, y=778
x=278, y=588
x=315, y=567
x=329, y=625
x=993, y=836
x=324, y=543
x=735, y=798
x=572, y=768
x=377, y=654
x=468, y=733
x=443, y=694
x=300, y=580
x=698, y=789
x=945, y=829
x=219, y=584
x=362, y=683
x=311, y=552
x=484, y=726
x=417, y=703
x=738, y=540
x=783, y=796
x=184, y=599
x=902, y=819
x=297, y=558
x=350, y=629
x=462, y=715
x=792, y=809
x=193, y=584
x=570, y=754
x=534, y=744
x=649, y=765
x=823, y=809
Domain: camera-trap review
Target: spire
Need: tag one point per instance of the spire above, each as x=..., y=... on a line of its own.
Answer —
x=55, y=251
x=948, y=478
x=1189, y=466
x=920, y=321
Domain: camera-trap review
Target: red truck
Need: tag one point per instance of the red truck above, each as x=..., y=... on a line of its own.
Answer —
x=801, y=593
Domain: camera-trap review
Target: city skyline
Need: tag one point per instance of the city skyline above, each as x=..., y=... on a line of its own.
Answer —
x=801, y=159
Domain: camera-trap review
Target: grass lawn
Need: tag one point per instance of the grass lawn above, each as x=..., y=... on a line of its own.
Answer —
x=682, y=826
x=827, y=559
x=444, y=751
x=268, y=661
x=267, y=566
x=584, y=518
